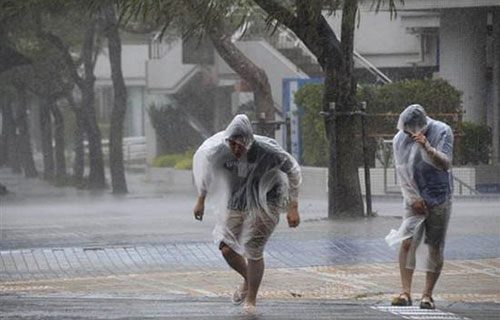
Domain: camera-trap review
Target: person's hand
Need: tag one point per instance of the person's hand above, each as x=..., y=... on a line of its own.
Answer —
x=419, y=207
x=419, y=137
x=292, y=216
x=199, y=209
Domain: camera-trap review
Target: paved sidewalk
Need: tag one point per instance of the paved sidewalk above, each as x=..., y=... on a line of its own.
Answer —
x=67, y=253
x=69, y=262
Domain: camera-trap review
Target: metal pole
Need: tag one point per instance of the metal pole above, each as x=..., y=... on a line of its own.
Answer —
x=368, y=190
x=332, y=163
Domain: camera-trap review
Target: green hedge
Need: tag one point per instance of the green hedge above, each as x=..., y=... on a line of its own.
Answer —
x=436, y=96
x=179, y=161
x=472, y=143
x=184, y=164
x=315, y=151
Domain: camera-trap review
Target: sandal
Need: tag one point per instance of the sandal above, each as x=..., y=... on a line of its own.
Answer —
x=427, y=303
x=403, y=300
x=238, y=296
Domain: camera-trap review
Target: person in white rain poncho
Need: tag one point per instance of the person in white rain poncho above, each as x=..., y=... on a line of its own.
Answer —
x=423, y=150
x=247, y=180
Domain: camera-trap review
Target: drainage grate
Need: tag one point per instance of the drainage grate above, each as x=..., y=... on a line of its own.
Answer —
x=416, y=313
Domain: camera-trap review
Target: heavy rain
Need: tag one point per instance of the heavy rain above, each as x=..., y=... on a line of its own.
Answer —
x=250, y=159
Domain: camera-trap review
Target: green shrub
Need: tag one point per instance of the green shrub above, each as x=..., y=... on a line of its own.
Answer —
x=315, y=151
x=180, y=161
x=168, y=160
x=184, y=164
x=436, y=96
x=472, y=143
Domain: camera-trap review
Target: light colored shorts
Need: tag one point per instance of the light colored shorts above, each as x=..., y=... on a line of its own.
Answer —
x=247, y=234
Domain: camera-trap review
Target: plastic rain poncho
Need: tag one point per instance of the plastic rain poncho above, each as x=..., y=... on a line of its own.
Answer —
x=423, y=178
x=252, y=189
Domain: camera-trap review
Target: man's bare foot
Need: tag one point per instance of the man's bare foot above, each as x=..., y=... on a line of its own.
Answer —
x=240, y=294
x=250, y=308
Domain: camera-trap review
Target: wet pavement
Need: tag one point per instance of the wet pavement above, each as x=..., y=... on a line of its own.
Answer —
x=67, y=253
x=106, y=307
x=43, y=263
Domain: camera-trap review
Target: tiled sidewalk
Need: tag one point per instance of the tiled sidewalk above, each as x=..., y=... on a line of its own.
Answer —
x=47, y=263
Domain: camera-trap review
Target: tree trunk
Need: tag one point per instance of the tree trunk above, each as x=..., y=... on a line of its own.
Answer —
x=96, y=161
x=86, y=85
x=344, y=195
x=251, y=73
x=78, y=138
x=13, y=152
x=348, y=197
x=59, y=141
x=331, y=134
x=46, y=131
x=117, y=169
x=26, y=155
x=4, y=149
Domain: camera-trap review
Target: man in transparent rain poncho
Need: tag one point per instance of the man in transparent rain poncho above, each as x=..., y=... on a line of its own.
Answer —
x=248, y=180
x=423, y=150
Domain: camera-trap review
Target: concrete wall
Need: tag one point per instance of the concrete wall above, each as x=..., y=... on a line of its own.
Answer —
x=277, y=66
x=315, y=181
x=168, y=74
x=134, y=59
x=445, y=4
x=463, y=58
x=172, y=180
x=385, y=42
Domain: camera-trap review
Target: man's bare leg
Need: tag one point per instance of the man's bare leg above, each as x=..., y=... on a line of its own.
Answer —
x=238, y=263
x=406, y=274
x=430, y=281
x=432, y=277
x=255, y=271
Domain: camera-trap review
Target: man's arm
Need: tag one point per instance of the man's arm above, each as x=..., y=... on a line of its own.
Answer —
x=441, y=155
x=199, y=207
x=292, y=170
x=203, y=166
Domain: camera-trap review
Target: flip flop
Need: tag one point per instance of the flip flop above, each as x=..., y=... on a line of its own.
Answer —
x=403, y=300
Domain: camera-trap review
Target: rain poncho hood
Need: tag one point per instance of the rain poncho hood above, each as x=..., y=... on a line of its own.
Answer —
x=240, y=130
x=413, y=119
x=257, y=184
x=419, y=176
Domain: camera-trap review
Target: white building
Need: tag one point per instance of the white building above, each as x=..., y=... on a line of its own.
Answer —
x=468, y=33
x=135, y=53
x=458, y=40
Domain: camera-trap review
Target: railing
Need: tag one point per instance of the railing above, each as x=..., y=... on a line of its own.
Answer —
x=158, y=48
x=134, y=148
x=462, y=184
x=372, y=68
x=283, y=38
